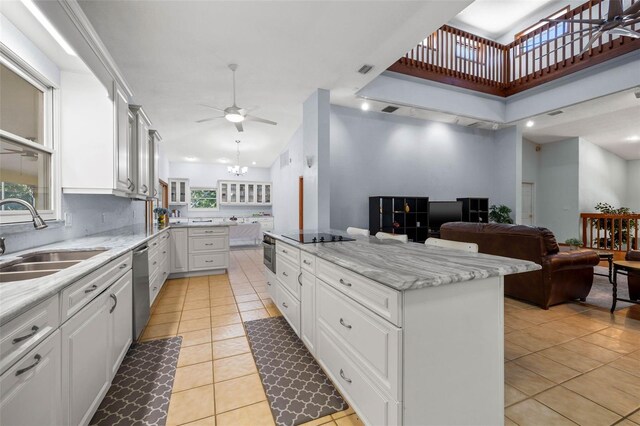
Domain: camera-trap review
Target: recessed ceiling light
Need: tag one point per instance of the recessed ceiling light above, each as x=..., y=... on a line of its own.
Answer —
x=190, y=158
x=48, y=26
x=253, y=163
x=365, y=106
x=634, y=138
x=530, y=123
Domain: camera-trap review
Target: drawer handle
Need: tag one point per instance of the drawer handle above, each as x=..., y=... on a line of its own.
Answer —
x=285, y=274
x=285, y=305
x=124, y=265
x=208, y=232
x=208, y=261
x=300, y=276
x=208, y=244
x=268, y=283
x=34, y=330
x=155, y=244
x=164, y=252
x=155, y=288
x=155, y=262
x=24, y=370
x=284, y=251
x=344, y=377
x=345, y=283
x=90, y=289
x=344, y=324
x=115, y=299
x=306, y=262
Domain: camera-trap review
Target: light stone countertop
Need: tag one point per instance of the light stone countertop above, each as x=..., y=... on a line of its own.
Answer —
x=409, y=266
x=17, y=297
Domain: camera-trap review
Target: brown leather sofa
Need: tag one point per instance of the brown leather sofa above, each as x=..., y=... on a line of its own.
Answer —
x=634, y=277
x=564, y=276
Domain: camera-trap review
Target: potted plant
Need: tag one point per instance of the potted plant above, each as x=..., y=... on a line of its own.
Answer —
x=574, y=243
x=162, y=213
x=500, y=214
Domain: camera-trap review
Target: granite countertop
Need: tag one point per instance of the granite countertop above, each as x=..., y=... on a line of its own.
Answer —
x=409, y=266
x=201, y=224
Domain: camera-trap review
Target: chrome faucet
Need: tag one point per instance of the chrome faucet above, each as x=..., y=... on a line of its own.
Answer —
x=38, y=222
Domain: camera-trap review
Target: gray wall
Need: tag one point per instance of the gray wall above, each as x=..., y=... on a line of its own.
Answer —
x=633, y=185
x=285, y=184
x=87, y=213
x=603, y=177
x=381, y=154
x=530, y=169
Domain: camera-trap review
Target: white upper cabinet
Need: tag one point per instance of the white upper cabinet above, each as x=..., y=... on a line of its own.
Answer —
x=179, y=192
x=140, y=132
x=244, y=193
x=154, y=158
x=123, y=148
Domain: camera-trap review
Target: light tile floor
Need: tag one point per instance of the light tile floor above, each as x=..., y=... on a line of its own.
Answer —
x=573, y=364
x=217, y=381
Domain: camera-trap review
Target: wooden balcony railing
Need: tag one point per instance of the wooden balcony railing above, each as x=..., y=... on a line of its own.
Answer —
x=616, y=232
x=553, y=50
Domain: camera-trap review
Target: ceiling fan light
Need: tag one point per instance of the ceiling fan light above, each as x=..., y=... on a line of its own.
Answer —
x=234, y=117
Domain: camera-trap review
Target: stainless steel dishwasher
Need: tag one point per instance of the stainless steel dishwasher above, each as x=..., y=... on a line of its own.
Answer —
x=140, y=289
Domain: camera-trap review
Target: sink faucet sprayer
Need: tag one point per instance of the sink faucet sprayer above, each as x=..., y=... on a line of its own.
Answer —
x=38, y=222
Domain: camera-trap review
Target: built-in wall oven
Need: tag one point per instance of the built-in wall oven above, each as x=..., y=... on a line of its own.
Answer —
x=269, y=249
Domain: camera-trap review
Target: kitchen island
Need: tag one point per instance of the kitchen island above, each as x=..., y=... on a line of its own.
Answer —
x=409, y=334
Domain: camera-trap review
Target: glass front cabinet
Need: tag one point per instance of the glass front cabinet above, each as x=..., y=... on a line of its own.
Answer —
x=178, y=191
x=244, y=193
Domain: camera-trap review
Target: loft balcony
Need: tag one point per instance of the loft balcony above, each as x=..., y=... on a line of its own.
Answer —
x=543, y=54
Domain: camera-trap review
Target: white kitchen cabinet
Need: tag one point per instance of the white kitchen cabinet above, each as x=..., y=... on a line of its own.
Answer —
x=140, y=132
x=124, y=148
x=179, y=193
x=30, y=389
x=308, y=310
x=154, y=159
x=179, y=250
x=240, y=193
x=120, y=320
x=86, y=361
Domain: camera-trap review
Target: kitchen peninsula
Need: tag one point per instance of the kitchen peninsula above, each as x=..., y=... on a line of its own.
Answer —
x=410, y=334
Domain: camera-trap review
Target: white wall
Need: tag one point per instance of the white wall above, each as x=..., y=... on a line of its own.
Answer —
x=381, y=154
x=285, y=184
x=557, y=194
x=531, y=169
x=603, y=177
x=633, y=185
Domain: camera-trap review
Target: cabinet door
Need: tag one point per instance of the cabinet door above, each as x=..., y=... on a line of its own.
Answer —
x=267, y=193
x=179, y=251
x=154, y=186
x=133, y=155
x=142, y=144
x=233, y=192
x=30, y=390
x=122, y=142
x=173, y=192
x=259, y=197
x=308, y=310
x=242, y=193
x=121, y=319
x=251, y=193
x=224, y=193
x=182, y=192
x=85, y=361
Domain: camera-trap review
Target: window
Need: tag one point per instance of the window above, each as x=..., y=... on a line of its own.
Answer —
x=554, y=31
x=26, y=143
x=204, y=199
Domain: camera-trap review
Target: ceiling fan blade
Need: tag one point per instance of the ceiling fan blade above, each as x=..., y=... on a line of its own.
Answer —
x=204, y=120
x=632, y=10
x=259, y=120
x=633, y=21
x=591, y=41
x=576, y=21
x=615, y=9
x=239, y=127
x=625, y=32
x=209, y=106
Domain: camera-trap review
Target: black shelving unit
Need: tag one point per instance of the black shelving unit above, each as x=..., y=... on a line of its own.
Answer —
x=400, y=215
x=475, y=209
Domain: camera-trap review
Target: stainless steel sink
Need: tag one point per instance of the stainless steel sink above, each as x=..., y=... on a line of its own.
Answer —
x=38, y=265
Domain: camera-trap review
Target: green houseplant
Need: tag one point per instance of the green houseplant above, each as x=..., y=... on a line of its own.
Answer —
x=500, y=214
x=574, y=243
x=615, y=227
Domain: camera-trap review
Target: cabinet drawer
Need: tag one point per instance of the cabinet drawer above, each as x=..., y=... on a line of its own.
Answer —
x=21, y=334
x=208, y=261
x=382, y=300
x=216, y=230
x=372, y=341
x=371, y=404
x=154, y=260
x=154, y=245
x=208, y=243
x=308, y=262
x=84, y=290
x=271, y=283
x=285, y=251
x=30, y=391
x=289, y=306
x=288, y=276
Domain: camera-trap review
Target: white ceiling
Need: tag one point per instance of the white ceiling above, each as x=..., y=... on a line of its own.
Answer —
x=174, y=54
x=610, y=122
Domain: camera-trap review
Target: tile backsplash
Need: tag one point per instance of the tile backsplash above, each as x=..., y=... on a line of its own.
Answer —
x=89, y=214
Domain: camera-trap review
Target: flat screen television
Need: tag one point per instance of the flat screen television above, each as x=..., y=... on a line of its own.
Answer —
x=442, y=212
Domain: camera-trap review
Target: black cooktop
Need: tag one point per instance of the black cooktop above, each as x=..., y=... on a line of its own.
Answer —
x=319, y=237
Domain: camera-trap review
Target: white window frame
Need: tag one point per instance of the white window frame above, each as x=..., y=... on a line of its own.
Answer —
x=51, y=129
x=204, y=188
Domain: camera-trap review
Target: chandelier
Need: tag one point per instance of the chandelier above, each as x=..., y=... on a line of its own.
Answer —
x=237, y=170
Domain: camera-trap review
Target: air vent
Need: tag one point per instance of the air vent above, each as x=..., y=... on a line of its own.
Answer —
x=558, y=112
x=475, y=124
x=284, y=159
x=390, y=109
x=365, y=69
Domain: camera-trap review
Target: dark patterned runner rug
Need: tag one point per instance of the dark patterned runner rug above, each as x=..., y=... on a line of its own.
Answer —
x=297, y=389
x=141, y=389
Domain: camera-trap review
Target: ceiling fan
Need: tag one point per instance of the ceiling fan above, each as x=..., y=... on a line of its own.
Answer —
x=615, y=23
x=234, y=113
